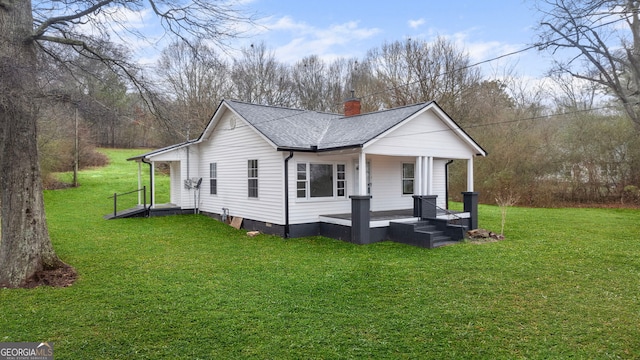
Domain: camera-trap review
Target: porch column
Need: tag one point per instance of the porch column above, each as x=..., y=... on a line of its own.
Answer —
x=153, y=181
x=362, y=174
x=417, y=187
x=470, y=201
x=139, y=182
x=429, y=210
x=360, y=219
x=470, y=174
x=424, y=175
x=360, y=206
x=429, y=175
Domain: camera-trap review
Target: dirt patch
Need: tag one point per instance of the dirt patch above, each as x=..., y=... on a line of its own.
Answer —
x=61, y=277
x=481, y=236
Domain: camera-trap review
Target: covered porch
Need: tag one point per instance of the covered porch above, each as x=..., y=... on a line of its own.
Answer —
x=365, y=225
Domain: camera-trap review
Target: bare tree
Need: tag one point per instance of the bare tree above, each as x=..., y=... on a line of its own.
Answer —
x=603, y=38
x=311, y=83
x=259, y=78
x=416, y=71
x=197, y=79
x=25, y=246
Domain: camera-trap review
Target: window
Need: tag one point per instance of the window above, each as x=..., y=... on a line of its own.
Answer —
x=213, y=178
x=252, y=175
x=342, y=180
x=301, y=186
x=320, y=180
x=407, y=178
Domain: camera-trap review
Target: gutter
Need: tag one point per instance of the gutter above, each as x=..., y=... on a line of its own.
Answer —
x=286, y=194
x=150, y=184
x=314, y=148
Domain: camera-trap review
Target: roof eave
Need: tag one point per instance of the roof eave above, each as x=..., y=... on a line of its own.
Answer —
x=163, y=150
x=315, y=149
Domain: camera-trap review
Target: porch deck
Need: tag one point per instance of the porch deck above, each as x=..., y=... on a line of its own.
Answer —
x=383, y=218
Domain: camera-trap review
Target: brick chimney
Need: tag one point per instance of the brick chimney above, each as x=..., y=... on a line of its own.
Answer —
x=352, y=106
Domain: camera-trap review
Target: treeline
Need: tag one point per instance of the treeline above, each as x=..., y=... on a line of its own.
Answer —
x=548, y=144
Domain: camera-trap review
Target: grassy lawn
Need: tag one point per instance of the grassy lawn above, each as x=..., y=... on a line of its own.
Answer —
x=564, y=284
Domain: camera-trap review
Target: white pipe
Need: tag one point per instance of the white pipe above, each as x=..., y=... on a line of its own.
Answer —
x=424, y=175
x=417, y=187
x=430, y=175
x=139, y=182
x=470, y=175
x=153, y=181
x=363, y=173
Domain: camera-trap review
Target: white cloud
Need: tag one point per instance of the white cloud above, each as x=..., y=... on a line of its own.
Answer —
x=336, y=40
x=414, y=24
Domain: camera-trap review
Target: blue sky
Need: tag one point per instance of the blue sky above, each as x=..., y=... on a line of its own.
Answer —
x=348, y=28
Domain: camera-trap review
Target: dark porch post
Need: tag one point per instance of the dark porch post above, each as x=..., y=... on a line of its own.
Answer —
x=360, y=217
x=470, y=201
x=417, y=206
x=428, y=207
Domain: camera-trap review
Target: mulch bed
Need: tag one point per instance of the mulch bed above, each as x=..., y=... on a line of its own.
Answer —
x=61, y=277
x=481, y=236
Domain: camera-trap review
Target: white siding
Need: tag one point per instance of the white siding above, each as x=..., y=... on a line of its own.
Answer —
x=440, y=182
x=386, y=183
x=307, y=210
x=424, y=135
x=175, y=183
x=181, y=166
x=178, y=162
x=231, y=149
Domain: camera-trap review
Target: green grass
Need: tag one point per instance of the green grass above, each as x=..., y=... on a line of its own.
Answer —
x=564, y=284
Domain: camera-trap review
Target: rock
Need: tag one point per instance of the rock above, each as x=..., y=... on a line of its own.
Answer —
x=253, y=233
x=484, y=234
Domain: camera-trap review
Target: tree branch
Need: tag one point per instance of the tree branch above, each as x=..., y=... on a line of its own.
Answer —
x=38, y=34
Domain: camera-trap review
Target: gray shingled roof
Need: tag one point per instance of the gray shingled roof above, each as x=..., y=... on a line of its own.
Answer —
x=295, y=129
x=303, y=129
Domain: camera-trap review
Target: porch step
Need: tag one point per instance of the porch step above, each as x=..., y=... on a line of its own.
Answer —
x=421, y=233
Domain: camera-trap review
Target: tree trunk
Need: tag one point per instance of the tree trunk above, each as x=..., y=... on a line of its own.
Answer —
x=25, y=246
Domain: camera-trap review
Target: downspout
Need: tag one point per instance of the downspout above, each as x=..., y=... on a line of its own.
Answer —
x=150, y=185
x=446, y=182
x=286, y=194
x=188, y=178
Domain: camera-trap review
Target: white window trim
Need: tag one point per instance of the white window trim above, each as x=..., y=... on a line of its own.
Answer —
x=215, y=164
x=307, y=181
x=257, y=179
x=402, y=178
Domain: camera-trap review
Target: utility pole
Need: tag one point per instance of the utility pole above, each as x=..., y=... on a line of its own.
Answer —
x=76, y=151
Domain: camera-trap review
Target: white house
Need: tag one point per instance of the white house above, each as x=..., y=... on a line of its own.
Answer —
x=297, y=173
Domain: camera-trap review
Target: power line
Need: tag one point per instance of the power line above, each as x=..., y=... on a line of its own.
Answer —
x=536, y=45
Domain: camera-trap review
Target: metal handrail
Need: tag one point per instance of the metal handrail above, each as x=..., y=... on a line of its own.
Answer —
x=448, y=212
x=115, y=198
